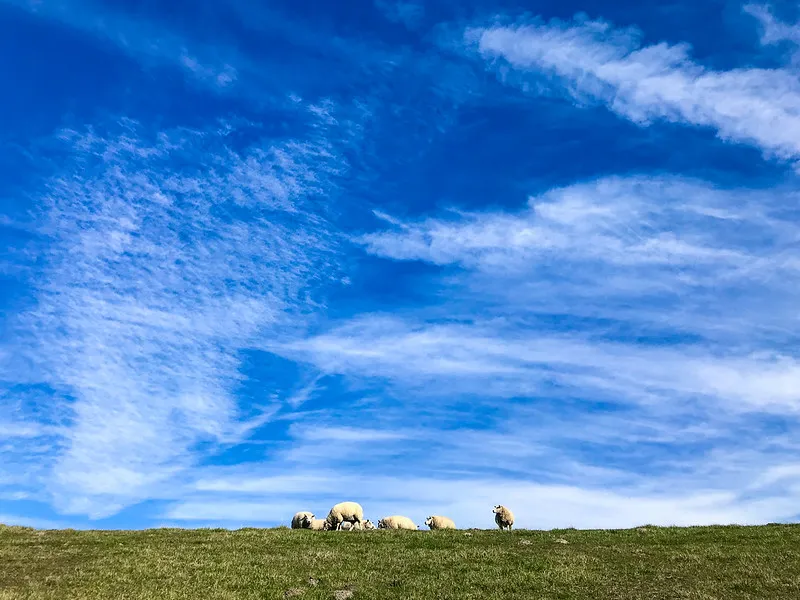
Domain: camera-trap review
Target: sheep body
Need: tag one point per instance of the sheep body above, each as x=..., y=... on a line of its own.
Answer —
x=345, y=511
x=396, y=522
x=347, y=526
x=439, y=522
x=317, y=524
x=300, y=519
x=503, y=517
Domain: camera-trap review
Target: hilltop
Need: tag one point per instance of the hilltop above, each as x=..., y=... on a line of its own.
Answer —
x=210, y=564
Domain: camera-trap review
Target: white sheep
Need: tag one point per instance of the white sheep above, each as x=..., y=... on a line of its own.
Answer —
x=396, y=522
x=317, y=524
x=299, y=520
x=365, y=526
x=347, y=526
x=503, y=517
x=438, y=522
x=345, y=511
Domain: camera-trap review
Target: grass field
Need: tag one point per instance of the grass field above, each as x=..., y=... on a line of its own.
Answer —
x=701, y=563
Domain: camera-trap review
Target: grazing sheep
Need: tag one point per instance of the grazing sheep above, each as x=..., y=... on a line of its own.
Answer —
x=317, y=524
x=347, y=526
x=364, y=526
x=396, y=522
x=345, y=511
x=299, y=520
x=438, y=522
x=503, y=517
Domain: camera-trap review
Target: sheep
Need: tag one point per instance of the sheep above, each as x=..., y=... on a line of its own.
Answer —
x=317, y=524
x=396, y=522
x=347, y=526
x=345, y=511
x=300, y=519
x=364, y=526
x=503, y=517
x=438, y=522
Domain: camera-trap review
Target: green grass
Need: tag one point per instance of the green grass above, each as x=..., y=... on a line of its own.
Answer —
x=668, y=563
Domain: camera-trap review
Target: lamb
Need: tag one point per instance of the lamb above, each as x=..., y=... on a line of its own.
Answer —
x=345, y=511
x=360, y=526
x=396, y=522
x=317, y=524
x=365, y=526
x=300, y=519
x=438, y=522
x=347, y=526
x=503, y=517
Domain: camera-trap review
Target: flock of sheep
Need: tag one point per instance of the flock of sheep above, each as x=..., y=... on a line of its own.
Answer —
x=349, y=516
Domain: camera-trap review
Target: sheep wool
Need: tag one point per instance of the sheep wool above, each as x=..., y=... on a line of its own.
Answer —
x=503, y=517
x=299, y=520
x=396, y=522
x=347, y=526
x=439, y=522
x=368, y=525
x=345, y=511
x=317, y=524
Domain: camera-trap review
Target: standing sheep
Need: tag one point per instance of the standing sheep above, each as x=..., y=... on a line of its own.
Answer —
x=503, y=517
x=299, y=519
x=317, y=524
x=438, y=522
x=396, y=522
x=345, y=511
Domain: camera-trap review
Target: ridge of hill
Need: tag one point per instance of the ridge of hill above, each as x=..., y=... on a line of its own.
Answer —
x=727, y=563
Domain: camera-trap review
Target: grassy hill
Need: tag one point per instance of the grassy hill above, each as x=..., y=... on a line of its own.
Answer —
x=694, y=563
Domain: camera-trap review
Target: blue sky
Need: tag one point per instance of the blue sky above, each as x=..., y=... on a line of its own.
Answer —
x=431, y=256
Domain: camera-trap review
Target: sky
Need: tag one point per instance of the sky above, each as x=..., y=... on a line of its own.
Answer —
x=263, y=257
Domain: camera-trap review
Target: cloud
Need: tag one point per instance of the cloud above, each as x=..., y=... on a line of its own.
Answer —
x=143, y=40
x=165, y=256
x=646, y=317
x=661, y=253
x=594, y=62
x=36, y=523
x=469, y=502
x=774, y=30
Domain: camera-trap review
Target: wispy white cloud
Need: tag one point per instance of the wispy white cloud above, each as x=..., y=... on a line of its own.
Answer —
x=22, y=521
x=656, y=252
x=774, y=30
x=157, y=277
x=142, y=40
x=504, y=362
x=469, y=502
x=595, y=62
x=640, y=316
